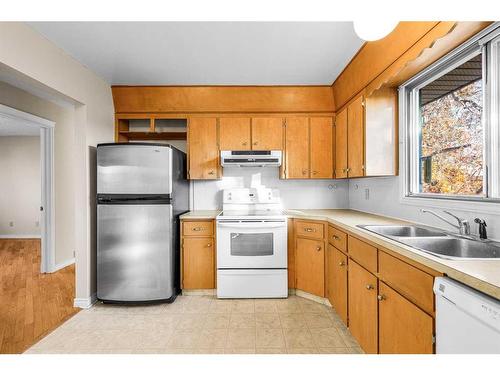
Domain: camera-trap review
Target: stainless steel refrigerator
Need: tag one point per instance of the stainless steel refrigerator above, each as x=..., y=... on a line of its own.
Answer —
x=141, y=191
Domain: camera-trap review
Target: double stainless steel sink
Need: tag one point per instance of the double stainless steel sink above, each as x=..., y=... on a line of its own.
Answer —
x=439, y=243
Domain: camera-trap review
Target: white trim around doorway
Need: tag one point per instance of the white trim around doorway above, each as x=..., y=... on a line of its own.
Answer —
x=48, y=263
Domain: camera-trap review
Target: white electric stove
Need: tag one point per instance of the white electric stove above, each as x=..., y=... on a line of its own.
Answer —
x=252, y=245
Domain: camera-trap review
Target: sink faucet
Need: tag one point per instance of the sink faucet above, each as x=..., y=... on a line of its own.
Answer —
x=463, y=225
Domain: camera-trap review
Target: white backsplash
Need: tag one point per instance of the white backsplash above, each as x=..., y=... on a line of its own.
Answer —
x=207, y=195
x=383, y=198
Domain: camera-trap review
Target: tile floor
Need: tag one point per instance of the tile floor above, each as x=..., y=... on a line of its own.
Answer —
x=203, y=324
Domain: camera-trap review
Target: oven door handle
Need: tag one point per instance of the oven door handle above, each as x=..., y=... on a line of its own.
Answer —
x=252, y=225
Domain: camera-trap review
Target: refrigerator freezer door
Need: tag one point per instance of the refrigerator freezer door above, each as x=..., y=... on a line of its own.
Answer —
x=134, y=169
x=135, y=257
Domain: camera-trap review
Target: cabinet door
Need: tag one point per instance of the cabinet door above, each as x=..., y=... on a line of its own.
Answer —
x=198, y=268
x=356, y=138
x=297, y=147
x=234, y=133
x=267, y=133
x=341, y=144
x=310, y=266
x=363, y=307
x=338, y=282
x=321, y=147
x=403, y=327
x=203, y=152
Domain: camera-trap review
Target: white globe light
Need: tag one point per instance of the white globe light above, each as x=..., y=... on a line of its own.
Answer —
x=370, y=30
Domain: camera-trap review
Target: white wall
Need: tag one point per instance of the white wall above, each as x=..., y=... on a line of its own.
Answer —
x=20, y=186
x=384, y=199
x=64, y=134
x=38, y=60
x=294, y=193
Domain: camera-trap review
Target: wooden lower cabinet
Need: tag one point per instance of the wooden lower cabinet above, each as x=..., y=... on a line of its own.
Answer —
x=403, y=327
x=362, y=302
x=198, y=263
x=336, y=281
x=197, y=254
x=310, y=266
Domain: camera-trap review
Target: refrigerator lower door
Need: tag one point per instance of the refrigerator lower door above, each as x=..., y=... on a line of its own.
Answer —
x=136, y=260
x=134, y=169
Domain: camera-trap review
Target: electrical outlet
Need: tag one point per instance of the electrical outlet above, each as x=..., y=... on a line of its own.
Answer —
x=367, y=194
x=11, y=223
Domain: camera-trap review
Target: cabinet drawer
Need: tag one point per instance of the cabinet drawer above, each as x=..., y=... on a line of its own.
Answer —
x=309, y=229
x=337, y=238
x=414, y=284
x=197, y=228
x=364, y=254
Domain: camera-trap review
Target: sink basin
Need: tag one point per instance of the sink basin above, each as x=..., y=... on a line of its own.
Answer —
x=450, y=247
x=441, y=244
x=402, y=231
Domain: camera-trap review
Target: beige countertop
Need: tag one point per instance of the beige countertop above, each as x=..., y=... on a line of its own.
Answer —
x=200, y=214
x=483, y=275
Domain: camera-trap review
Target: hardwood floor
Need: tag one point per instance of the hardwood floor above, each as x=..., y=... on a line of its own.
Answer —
x=32, y=304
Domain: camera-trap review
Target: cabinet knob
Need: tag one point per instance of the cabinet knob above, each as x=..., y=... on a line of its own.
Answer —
x=381, y=297
x=197, y=229
x=209, y=245
x=309, y=230
x=255, y=143
x=211, y=172
x=318, y=248
x=335, y=237
x=369, y=287
x=341, y=264
x=244, y=143
x=304, y=171
x=315, y=172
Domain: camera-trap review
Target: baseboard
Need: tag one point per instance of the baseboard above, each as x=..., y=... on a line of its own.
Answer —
x=199, y=292
x=20, y=236
x=312, y=297
x=61, y=265
x=85, y=303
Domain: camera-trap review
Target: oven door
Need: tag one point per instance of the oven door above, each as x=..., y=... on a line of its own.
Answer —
x=251, y=244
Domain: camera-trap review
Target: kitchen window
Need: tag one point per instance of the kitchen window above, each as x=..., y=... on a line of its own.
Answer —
x=451, y=115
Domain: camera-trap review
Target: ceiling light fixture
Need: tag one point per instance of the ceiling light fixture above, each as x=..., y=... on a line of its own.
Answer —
x=373, y=30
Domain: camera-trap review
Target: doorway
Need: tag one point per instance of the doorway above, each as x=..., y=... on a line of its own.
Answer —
x=10, y=120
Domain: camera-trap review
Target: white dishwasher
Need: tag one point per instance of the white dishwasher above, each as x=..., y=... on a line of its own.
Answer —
x=467, y=321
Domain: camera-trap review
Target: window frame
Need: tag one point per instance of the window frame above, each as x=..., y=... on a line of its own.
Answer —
x=410, y=119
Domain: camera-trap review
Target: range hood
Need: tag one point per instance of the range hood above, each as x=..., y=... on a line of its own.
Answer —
x=250, y=158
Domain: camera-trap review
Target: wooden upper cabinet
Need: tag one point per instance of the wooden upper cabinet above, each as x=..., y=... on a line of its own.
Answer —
x=202, y=148
x=198, y=263
x=341, y=144
x=321, y=152
x=297, y=147
x=381, y=144
x=267, y=133
x=363, y=303
x=356, y=137
x=310, y=266
x=234, y=133
x=336, y=281
x=403, y=327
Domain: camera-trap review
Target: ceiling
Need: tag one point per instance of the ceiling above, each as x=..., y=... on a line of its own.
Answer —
x=13, y=127
x=208, y=53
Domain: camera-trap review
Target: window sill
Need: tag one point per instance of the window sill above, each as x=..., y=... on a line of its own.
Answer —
x=479, y=206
